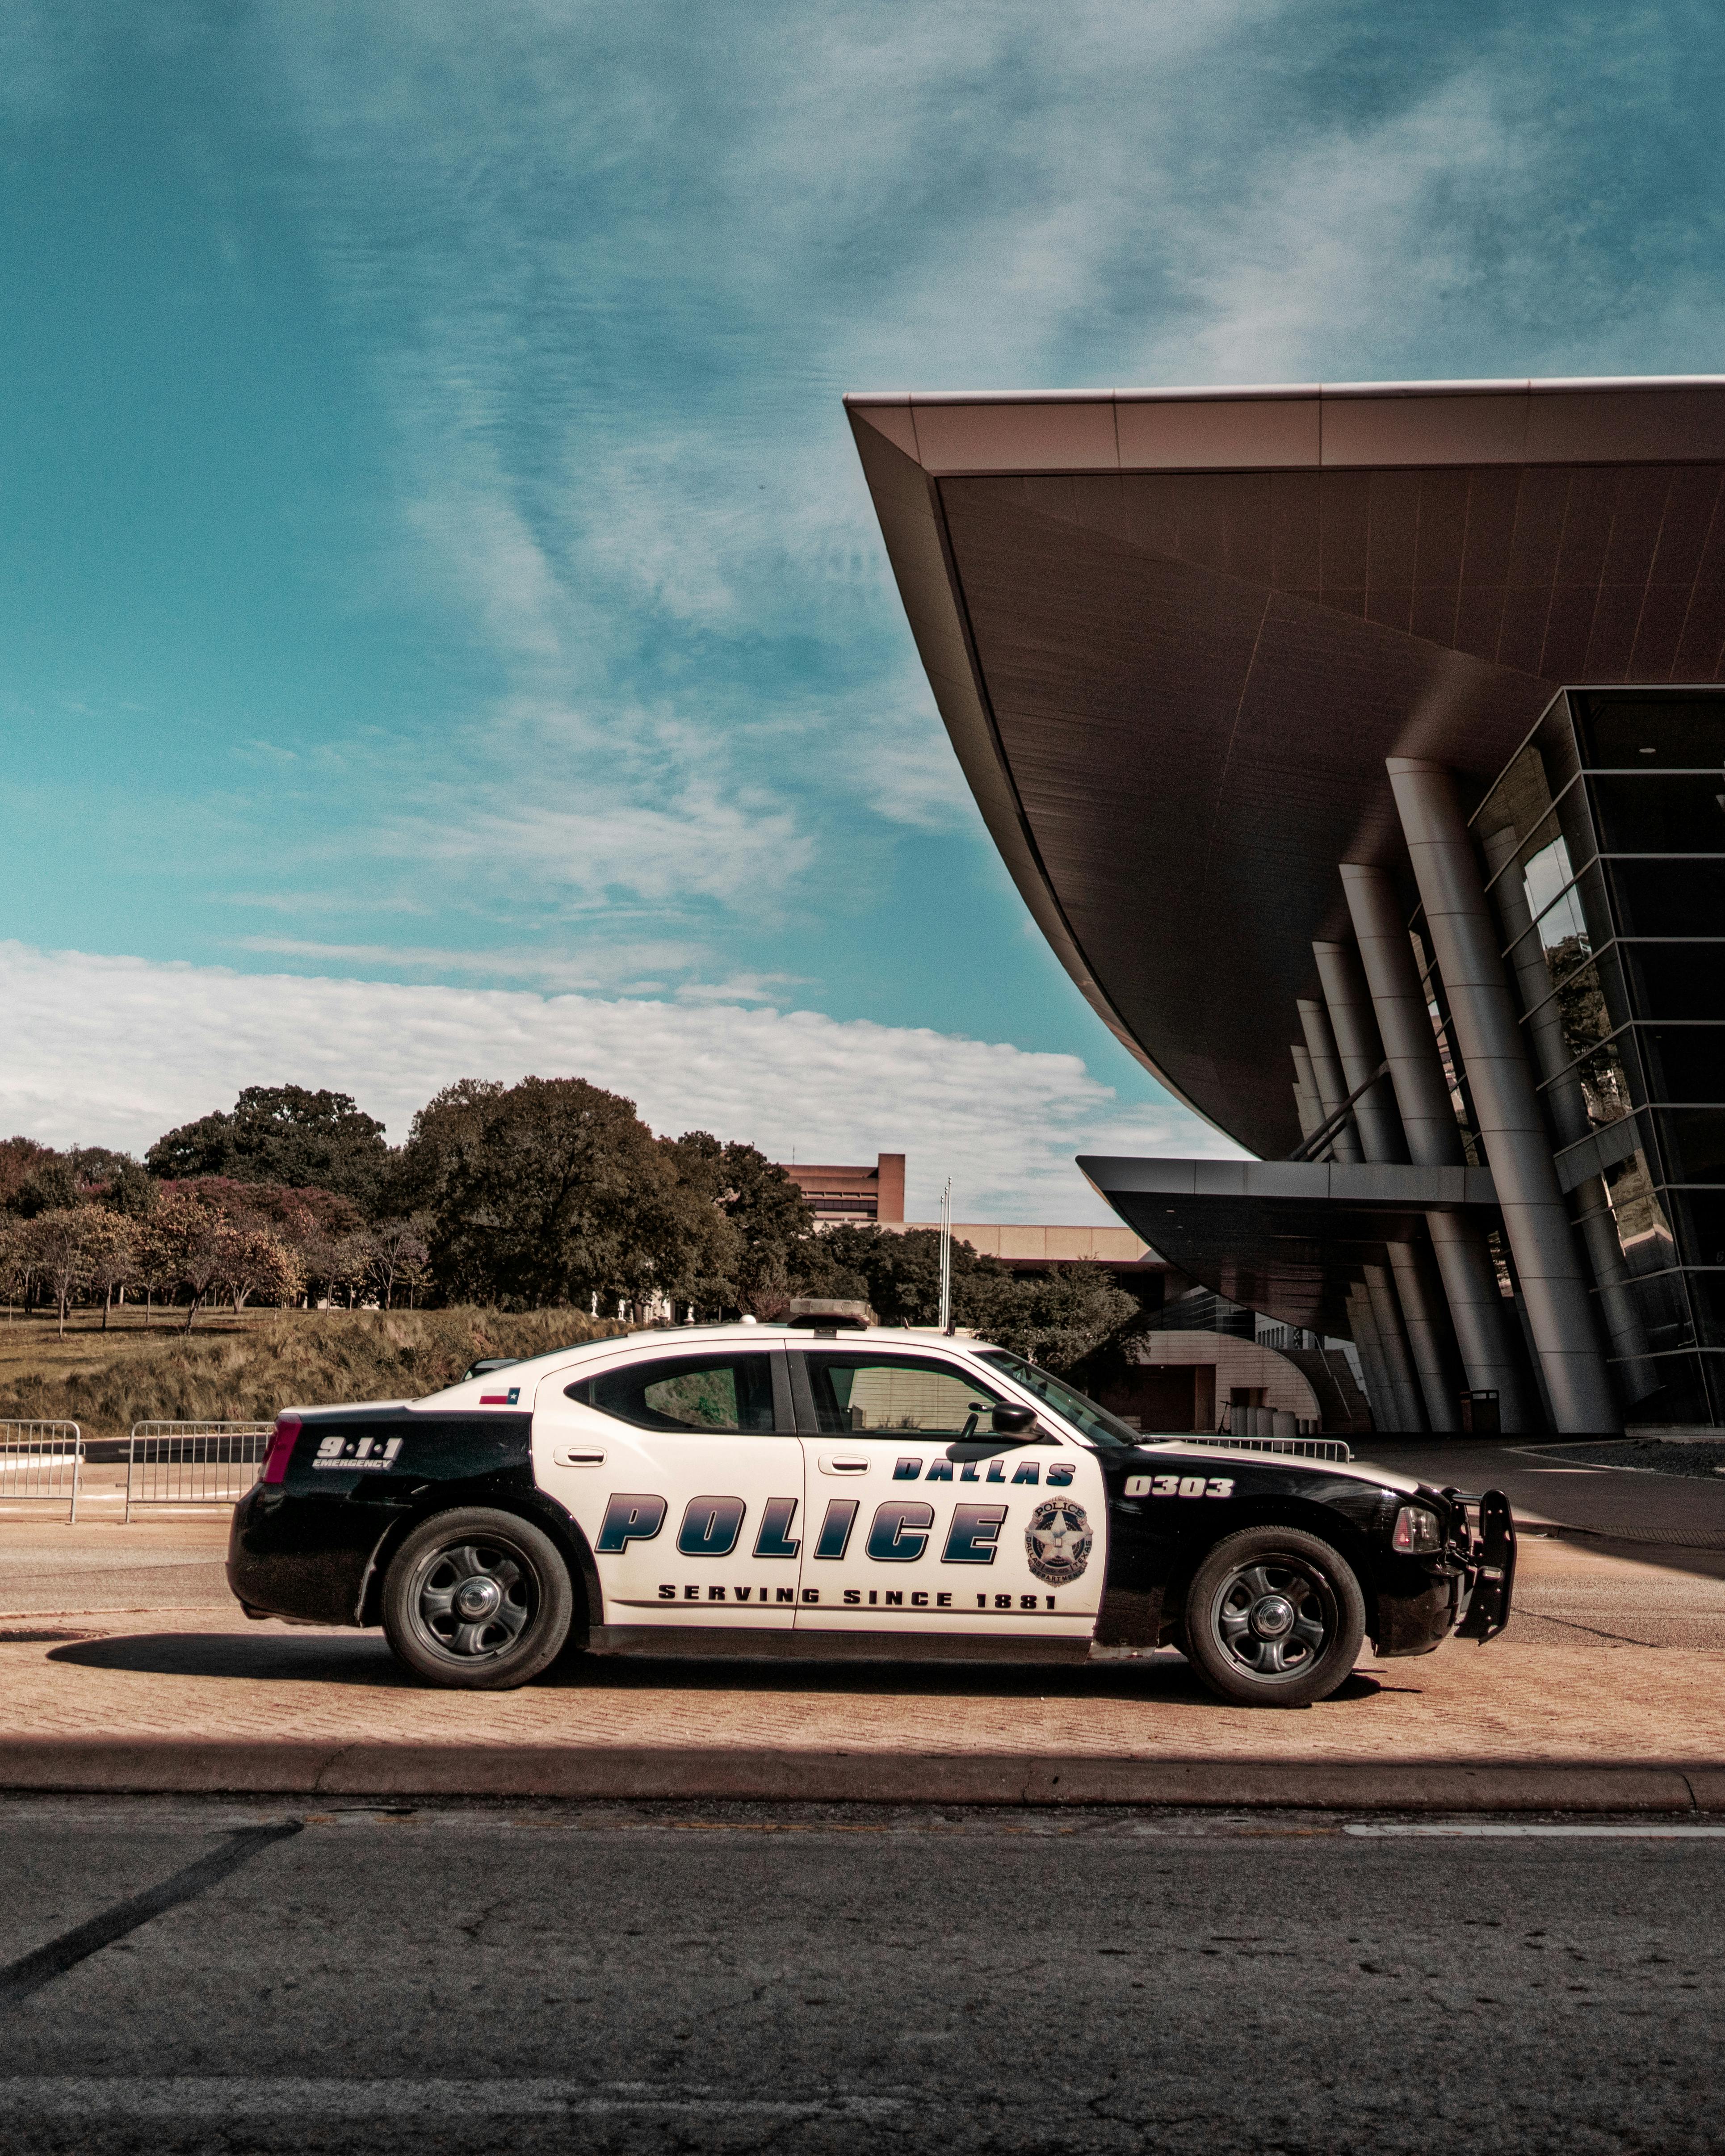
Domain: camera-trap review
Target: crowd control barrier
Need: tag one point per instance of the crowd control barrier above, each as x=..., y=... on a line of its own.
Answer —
x=1297, y=1448
x=41, y=1463
x=193, y=1463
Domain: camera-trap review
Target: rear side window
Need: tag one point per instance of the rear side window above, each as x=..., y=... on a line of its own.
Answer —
x=708, y=1393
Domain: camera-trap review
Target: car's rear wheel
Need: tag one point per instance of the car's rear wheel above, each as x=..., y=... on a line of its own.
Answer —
x=478, y=1599
x=1273, y=1618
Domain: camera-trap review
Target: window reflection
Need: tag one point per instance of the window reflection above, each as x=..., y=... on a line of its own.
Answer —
x=1643, y=1234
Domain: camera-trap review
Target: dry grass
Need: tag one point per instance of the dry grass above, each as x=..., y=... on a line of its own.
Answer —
x=245, y=1368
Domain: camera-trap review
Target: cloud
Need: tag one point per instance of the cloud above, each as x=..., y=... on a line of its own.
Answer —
x=114, y=1052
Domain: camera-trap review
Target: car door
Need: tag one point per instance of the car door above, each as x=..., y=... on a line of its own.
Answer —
x=922, y=1520
x=682, y=1470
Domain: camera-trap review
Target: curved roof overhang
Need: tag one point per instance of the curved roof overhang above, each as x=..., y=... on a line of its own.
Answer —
x=1173, y=635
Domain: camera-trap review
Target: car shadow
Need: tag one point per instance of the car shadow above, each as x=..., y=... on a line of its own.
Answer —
x=363, y=1659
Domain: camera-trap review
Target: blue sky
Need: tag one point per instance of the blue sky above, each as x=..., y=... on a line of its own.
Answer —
x=435, y=559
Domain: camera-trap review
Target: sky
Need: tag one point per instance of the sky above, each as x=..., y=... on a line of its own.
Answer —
x=443, y=628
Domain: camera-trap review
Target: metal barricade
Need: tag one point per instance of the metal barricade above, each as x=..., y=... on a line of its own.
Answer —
x=41, y=1463
x=1296, y=1448
x=193, y=1463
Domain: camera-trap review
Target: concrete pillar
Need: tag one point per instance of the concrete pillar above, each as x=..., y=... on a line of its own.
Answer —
x=1327, y=1073
x=1305, y=1100
x=1363, y=1326
x=1360, y=1046
x=1422, y=1097
x=1393, y=1346
x=1422, y=1093
x=1349, y=1001
x=1567, y=1106
x=1429, y=1340
x=1535, y=1219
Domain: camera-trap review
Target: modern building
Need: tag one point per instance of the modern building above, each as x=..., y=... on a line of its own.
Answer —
x=1360, y=751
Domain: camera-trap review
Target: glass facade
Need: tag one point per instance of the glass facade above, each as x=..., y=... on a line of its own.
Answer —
x=1604, y=843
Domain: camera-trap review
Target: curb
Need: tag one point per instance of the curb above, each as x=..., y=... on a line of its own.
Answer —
x=91, y=1765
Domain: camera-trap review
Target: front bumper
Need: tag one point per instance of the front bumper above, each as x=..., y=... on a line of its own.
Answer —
x=1464, y=1591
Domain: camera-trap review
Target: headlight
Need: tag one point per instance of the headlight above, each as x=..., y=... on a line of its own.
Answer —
x=1417, y=1530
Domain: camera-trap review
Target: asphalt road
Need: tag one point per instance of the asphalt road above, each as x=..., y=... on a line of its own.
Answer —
x=604, y=1978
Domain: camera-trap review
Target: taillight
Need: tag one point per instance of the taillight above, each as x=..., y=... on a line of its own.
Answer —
x=281, y=1448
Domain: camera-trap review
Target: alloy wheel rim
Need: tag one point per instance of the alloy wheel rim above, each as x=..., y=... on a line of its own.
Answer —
x=1274, y=1617
x=471, y=1601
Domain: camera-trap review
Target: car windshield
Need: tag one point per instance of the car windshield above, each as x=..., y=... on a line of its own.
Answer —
x=1097, y=1424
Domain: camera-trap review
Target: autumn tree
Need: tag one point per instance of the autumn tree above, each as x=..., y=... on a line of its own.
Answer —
x=60, y=1242
x=111, y=1247
x=251, y=1261
x=184, y=1238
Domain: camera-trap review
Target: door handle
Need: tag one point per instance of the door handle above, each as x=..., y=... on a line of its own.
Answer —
x=579, y=1456
x=843, y=1463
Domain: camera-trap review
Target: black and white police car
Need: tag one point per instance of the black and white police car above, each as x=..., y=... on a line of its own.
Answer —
x=809, y=1491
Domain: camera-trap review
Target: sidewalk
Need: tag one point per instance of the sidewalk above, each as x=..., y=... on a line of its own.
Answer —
x=124, y=1665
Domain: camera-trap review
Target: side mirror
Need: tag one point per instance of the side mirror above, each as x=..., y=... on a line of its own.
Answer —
x=1013, y=1422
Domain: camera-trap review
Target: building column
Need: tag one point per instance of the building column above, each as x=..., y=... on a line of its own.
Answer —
x=1393, y=1347
x=1429, y=1339
x=1428, y=1118
x=1567, y=1107
x=1535, y=1219
x=1349, y=1002
x=1305, y=1100
x=1327, y=1074
x=1365, y=1328
x=1361, y=1048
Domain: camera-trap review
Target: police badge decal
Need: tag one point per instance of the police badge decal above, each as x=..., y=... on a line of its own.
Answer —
x=1058, y=1542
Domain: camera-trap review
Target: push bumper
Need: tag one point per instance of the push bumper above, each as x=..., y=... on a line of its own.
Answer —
x=1494, y=1571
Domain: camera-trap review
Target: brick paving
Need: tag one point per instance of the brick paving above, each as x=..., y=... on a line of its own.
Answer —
x=1606, y=1661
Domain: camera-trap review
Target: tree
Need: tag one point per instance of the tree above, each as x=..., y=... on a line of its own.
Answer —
x=554, y=1191
x=58, y=1241
x=49, y=1186
x=774, y=1244
x=18, y=1267
x=251, y=1261
x=18, y=1157
x=399, y=1254
x=901, y=1274
x=1059, y=1319
x=110, y=1253
x=281, y=1134
x=184, y=1242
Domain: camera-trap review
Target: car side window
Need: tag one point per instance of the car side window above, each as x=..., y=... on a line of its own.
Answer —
x=864, y=1394
x=703, y=1394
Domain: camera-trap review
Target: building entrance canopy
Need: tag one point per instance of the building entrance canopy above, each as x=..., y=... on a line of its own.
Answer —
x=1359, y=749
x=1175, y=635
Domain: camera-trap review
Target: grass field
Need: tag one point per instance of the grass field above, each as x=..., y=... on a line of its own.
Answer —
x=244, y=1367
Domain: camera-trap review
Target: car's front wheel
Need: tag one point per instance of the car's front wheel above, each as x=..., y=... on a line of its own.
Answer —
x=478, y=1599
x=1273, y=1618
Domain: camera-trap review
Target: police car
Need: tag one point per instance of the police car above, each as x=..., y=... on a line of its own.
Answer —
x=814, y=1491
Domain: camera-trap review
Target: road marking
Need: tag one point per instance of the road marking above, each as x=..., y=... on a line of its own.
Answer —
x=1494, y=1830
x=243, y=2096
x=18, y=1979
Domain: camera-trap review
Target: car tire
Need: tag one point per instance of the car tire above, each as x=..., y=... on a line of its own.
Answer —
x=1273, y=1618
x=478, y=1600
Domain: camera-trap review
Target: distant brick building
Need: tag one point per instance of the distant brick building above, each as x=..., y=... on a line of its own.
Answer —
x=852, y=1196
x=874, y=1197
